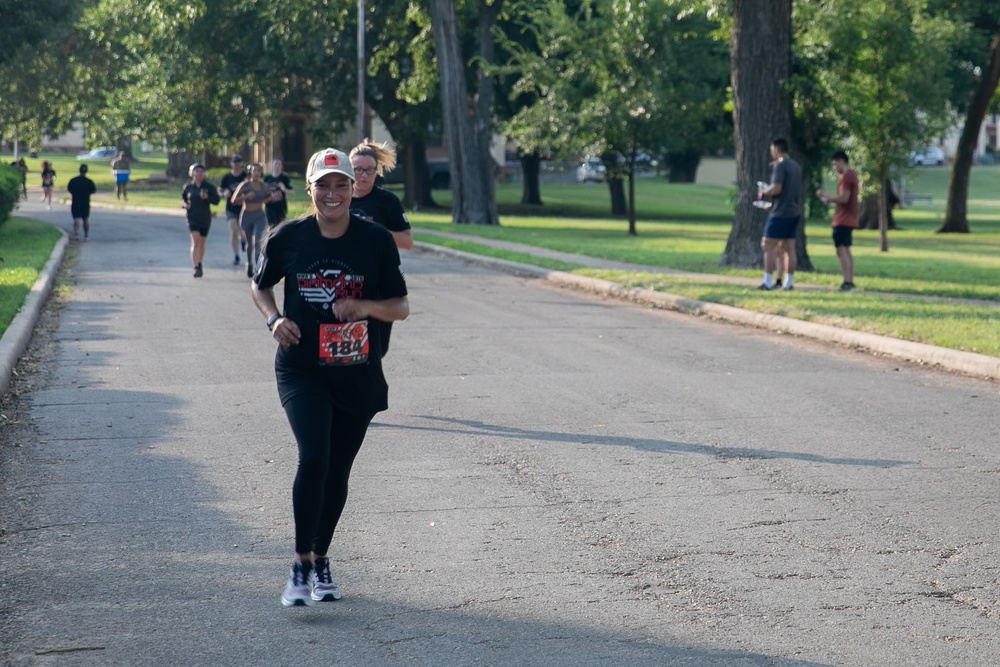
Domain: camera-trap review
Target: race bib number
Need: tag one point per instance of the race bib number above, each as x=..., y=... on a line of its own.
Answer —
x=343, y=344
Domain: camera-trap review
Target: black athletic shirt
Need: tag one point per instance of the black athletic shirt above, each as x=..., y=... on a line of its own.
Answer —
x=362, y=263
x=231, y=182
x=383, y=207
x=200, y=212
x=80, y=188
x=277, y=210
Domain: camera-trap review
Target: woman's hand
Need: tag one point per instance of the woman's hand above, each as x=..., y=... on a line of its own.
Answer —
x=351, y=310
x=286, y=332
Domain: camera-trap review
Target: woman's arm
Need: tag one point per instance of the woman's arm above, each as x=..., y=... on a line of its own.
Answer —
x=283, y=330
x=403, y=239
x=386, y=310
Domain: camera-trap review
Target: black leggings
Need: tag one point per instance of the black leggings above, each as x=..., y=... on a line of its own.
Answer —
x=328, y=440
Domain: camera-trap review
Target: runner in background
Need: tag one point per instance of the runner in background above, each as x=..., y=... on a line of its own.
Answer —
x=281, y=189
x=378, y=205
x=227, y=186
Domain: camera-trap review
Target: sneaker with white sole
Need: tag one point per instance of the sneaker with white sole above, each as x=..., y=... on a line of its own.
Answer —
x=297, y=589
x=324, y=588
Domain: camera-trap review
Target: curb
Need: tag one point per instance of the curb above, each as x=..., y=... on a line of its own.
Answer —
x=967, y=363
x=15, y=340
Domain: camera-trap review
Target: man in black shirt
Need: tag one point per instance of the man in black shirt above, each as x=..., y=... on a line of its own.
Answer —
x=80, y=188
x=227, y=187
x=278, y=182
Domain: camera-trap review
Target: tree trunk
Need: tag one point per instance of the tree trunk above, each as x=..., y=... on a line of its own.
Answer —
x=683, y=166
x=417, y=193
x=956, y=211
x=124, y=144
x=631, y=203
x=178, y=163
x=531, y=192
x=760, y=57
x=617, y=191
x=883, y=218
x=868, y=217
x=471, y=171
x=488, y=14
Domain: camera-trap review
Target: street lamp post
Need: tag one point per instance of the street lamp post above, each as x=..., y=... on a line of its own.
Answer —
x=361, y=70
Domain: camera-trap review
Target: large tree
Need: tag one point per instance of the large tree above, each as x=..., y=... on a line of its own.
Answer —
x=976, y=66
x=760, y=62
x=472, y=168
x=886, y=70
x=37, y=90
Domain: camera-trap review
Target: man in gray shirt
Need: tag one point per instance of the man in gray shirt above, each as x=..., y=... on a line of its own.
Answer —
x=786, y=213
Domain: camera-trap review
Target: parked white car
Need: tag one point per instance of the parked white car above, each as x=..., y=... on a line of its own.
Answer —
x=591, y=169
x=926, y=156
x=101, y=153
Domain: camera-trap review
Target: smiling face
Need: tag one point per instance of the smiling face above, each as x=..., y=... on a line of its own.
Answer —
x=331, y=195
x=364, y=172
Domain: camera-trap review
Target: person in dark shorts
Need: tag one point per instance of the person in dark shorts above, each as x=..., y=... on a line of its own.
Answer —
x=48, y=182
x=227, y=186
x=786, y=214
x=281, y=190
x=198, y=197
x=340, y=275
x=80, y=189
x=371, y=160
x=845, y=215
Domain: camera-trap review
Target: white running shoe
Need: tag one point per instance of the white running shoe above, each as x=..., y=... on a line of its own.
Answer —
x=324, y=588
x=297, y=589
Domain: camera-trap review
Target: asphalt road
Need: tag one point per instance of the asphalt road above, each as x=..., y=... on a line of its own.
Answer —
x=560, y=480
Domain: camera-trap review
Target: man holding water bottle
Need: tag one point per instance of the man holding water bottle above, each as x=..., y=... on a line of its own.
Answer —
x=786, y=214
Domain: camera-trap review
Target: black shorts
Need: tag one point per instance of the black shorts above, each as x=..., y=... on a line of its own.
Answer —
x=200, y=227
x=80, y=212
x=781, y=228
x=842, y=236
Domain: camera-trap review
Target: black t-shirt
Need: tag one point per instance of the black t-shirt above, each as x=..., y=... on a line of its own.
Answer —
x=80, y=188
x=277, y=210
x=230, y=182
x=383, y=207
x=362, y=263
x=201, y=209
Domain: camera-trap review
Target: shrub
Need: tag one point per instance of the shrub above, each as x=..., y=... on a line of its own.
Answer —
x=10, y=191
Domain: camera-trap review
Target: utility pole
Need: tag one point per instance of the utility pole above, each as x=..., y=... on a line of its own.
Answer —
x=361, y=70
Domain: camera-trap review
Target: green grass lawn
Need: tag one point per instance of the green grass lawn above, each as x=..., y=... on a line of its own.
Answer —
x=903, y=291
x=25, y=246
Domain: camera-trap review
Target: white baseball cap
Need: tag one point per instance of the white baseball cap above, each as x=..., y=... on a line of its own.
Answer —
x=329, y=161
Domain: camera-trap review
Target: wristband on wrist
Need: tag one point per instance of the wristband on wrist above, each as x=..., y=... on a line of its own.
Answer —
x=271, y=320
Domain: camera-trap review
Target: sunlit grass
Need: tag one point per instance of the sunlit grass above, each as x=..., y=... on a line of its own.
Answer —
x=25, y=246
x=686, y=227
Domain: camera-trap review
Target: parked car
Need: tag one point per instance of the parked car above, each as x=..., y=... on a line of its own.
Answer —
x=440, y=174
x=100, y=153
x=926, y=156
x=591, y=170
